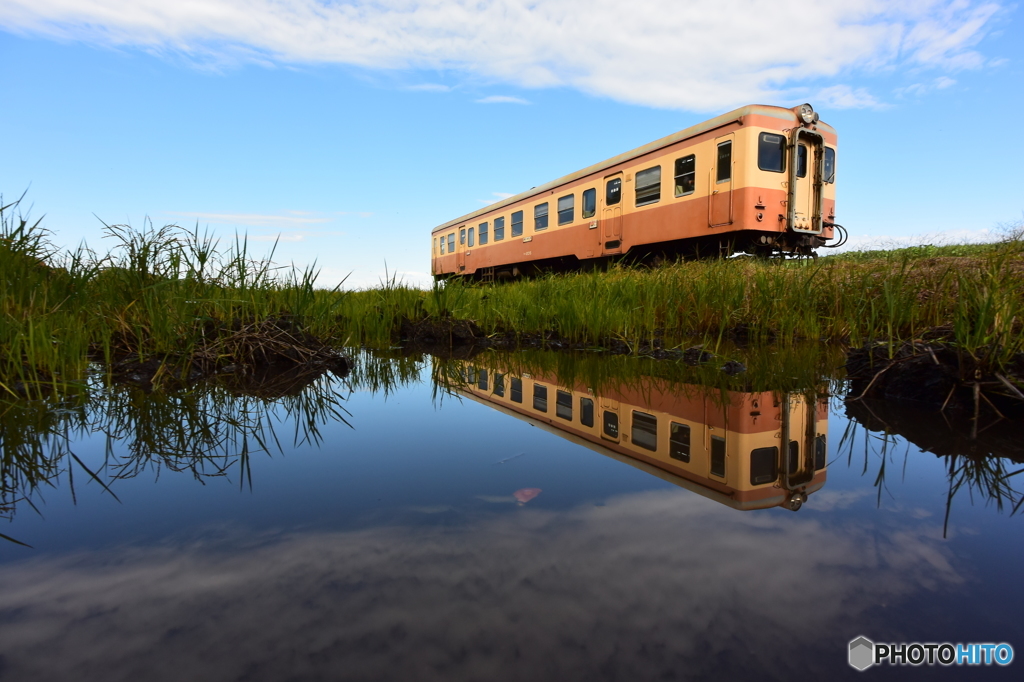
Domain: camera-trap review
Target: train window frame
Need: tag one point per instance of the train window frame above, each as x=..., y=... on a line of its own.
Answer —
x=718, y=456
x=682, y=173
x=608, y=193
x=566, y=209
x=820, y=452
x=481, y=379
x=766, y=146
x=801, y=161
x=589, y=199
x=648, y=431
x=516, y=390
x=499, y=229
x=586, y=411
x=767, y=460
x=470, y=240
x=650, y=192
x=443, y=240
x=540, y=217
x=517, y=225
x=451, y=242
x=462, y=237
x=481, y=233
x=723, y=162
x=610, y=427
x=830, y=165
x=540, y=398
x=499, y=384
x=563, y=404
x=679, y=448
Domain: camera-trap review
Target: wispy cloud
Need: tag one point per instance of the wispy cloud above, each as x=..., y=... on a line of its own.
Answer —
x=291, y=218
x=429, y=87
x=919, y=89
x=502, y=99
x=665, y=53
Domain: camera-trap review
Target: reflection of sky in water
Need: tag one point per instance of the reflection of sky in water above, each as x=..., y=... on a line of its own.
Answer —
x=397, y=550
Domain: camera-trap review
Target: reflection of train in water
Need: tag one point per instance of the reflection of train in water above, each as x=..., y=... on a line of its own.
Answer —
x=722, y=445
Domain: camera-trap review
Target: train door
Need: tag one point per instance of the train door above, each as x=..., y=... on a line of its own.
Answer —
x=799, y=426
x=611, y=215
x=460, y=250
x=609, y=419
x=806, y=173
x=720, y=196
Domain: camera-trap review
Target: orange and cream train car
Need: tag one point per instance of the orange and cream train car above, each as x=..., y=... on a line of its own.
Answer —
x=759, y=179
x=728, y=451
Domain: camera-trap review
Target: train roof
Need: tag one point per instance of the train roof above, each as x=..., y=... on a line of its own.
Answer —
x=692, y=131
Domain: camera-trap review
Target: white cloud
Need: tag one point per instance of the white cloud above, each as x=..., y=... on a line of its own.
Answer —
x=429, y=87
x=502, y=99
x=290, y=218
x=502, y=195
x=667, y=53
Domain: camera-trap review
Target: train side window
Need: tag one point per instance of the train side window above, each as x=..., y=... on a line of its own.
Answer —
x=724, y=171
x=771, y=152
x=451, y=243
x=794, y=457
x=481, y=380
x=645, y=430
x=563, y=405
x=517, y=223
x=764, y=465
x=648, y=186
x=517, y=390
x=499, y=229
x=718, y=456
x=686, y=175
x=499, y=384
x=613, y=191
x=819, y=453
x=611, y=424
x=462, y=237
x=801, y=161
x=540, y=217
x=566, y=209
x=586, y=411
x=470, y=241
x=589, y=203
x=679, y=442
x=483, y=233
x=435, y=244
x=830, y=165
x=443, y=240
x=540, y=398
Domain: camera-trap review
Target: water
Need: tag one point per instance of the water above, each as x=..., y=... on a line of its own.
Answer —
x=407, y=523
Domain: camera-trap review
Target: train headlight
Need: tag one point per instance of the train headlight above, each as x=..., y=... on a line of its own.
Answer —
x=807, y=114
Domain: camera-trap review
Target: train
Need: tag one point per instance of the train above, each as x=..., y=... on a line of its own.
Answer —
x=722, y=445
x=758, y=180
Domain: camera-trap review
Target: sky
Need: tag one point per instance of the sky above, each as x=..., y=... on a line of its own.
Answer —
x=345, y=131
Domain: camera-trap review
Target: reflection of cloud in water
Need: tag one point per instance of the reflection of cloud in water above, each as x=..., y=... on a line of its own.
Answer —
x=648, y=584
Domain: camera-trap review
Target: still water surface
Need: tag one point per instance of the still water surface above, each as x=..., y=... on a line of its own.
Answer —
x=413, y=521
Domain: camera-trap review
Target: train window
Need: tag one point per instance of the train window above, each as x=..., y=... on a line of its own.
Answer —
x=587, y=410
x=648, y=186
x=443, y=240
x=679, y=442
x=686, y=175
x=771, y=152
x=819, y=453
x=613, y=191
x=566, y=208
x=645, y=430
x=794, y=457
x=611, y=424
x=830, y=164
x=589, y=203
x=462, y=237
x=563, y=405
x=540, y=217
x=801, y=161
x=499, y=229
x=483, y=233
x=718, y=456
x=451, y=243
x=499, y=384
x=724, y=170
x=517, y=390
x=481, y=380
x=435, y=244
x=517, y=223
x=540, y=398
x=469, y=241
x=764, y=465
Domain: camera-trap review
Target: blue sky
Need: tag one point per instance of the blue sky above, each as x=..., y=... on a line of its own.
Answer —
x=348, y=130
